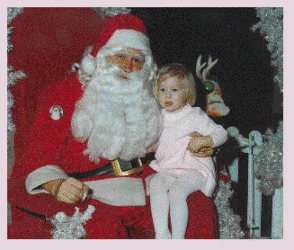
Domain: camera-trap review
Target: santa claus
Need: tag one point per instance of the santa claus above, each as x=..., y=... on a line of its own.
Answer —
x=87, y=143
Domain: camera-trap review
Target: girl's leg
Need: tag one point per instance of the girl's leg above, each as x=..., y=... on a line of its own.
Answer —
x=159, y=201
x=178, y=194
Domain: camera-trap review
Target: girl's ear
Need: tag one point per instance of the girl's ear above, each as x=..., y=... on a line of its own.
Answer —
x=187, y=95
x=155, y=90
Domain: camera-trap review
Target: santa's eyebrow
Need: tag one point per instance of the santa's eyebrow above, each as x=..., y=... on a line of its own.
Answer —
x=141, y=57
x=121, y=53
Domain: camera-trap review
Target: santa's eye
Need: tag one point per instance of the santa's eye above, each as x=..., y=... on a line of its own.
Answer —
x=139, y=60
x=120, y=56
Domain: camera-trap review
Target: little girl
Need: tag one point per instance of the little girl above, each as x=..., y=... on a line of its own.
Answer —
x=180, y=173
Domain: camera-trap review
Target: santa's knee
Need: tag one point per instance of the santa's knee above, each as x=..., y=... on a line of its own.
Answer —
x=105, y=223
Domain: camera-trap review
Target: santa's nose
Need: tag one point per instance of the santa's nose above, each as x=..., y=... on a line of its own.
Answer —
x=127, y=66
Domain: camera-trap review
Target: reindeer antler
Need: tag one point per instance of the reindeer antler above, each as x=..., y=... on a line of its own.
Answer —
x=200, y=66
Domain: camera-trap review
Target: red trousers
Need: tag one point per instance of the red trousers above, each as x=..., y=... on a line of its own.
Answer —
x=110, y=222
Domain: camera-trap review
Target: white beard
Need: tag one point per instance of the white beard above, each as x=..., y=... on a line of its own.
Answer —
x=119, y=118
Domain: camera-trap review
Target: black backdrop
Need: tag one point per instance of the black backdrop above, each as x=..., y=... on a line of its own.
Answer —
x=244, y=70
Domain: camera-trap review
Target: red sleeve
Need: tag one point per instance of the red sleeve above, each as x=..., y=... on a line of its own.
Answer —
x=47, y=138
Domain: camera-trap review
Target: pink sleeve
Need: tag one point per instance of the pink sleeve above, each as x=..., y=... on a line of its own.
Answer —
x=208, y=127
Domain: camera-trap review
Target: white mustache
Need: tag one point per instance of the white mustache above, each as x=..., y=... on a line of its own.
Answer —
x=121, y=74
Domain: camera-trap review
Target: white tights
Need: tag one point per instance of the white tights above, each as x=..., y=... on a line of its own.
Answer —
x=171, y=193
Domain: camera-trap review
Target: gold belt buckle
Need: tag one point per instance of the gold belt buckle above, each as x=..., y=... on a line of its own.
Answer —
x=119, y=167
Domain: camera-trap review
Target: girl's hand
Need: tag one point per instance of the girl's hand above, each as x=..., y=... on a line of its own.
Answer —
x=150, y=149
x=200, y=146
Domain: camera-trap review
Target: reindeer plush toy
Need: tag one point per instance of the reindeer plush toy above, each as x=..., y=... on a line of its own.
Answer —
x=215, y=105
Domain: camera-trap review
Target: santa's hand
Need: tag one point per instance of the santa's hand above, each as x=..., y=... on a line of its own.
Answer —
x=69, y=191
x=72, y=190
x=200, y=145
x=204, y=152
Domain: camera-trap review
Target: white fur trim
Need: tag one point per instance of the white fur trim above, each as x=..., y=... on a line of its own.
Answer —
x=119, y=191
x=41, y=176
x=88, y=65
x=129, y=38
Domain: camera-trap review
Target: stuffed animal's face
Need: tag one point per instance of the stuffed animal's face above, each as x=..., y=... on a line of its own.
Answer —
x=215, y=105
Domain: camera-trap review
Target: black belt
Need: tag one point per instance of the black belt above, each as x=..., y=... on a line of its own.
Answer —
x=117, y=167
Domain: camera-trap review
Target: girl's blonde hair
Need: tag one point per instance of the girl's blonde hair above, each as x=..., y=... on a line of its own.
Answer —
x=184, y=76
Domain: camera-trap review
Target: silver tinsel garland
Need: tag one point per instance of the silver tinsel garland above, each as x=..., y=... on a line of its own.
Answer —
x=12, y=76
x=111, y=11
x=229, y=223
x=271, y=26
x=12, y=12
x=270, y=160
x=71, y=227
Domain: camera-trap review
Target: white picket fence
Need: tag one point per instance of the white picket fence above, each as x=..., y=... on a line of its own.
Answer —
x=252, y=146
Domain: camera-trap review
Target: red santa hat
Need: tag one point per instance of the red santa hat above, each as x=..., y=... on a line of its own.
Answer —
x=122, y=30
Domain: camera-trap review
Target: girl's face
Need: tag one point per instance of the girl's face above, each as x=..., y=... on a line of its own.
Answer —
x=171, y=95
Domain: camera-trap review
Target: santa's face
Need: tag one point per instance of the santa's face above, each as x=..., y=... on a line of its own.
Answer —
x=117, y=114
x=129, y=60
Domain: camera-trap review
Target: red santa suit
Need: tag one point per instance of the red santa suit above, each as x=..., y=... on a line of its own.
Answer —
x=52, y=148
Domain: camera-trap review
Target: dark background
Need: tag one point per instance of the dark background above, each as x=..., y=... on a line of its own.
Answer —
x=244, y=68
